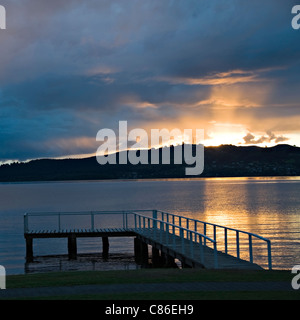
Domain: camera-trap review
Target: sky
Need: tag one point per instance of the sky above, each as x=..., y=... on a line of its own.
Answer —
x=70, y=68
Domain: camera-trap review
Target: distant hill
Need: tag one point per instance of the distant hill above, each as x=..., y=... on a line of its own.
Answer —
x=222, y=161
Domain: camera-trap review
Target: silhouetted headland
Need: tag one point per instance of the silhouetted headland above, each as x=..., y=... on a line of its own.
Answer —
x=221, y=161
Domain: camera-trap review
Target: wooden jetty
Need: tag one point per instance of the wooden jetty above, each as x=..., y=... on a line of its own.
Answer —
x=171, y=237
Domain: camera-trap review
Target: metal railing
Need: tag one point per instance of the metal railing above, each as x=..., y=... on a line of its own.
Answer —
x=196, y=224
x=165, y=232
x=160, y=222
x=59, y=217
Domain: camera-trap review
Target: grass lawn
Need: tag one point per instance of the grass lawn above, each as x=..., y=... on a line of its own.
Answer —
x=156, y=276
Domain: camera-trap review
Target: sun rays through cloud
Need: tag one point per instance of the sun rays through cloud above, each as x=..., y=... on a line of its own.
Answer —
x=70, y=68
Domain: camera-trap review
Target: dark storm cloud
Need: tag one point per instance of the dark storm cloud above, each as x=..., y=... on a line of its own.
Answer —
x=70, y=68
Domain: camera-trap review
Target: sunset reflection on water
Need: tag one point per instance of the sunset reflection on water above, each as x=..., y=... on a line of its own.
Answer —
x=268, y=207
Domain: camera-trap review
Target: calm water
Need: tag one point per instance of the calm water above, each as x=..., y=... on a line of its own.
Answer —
x=269, y=207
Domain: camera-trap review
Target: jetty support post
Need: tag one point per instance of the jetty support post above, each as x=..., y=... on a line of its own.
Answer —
x=72, y=247
x=105, y=247
x=29, y=249
x=140, y=251
x=144, y=252
x=184, y=264
x=137, y=255
x=170, y=261
x=155, y=257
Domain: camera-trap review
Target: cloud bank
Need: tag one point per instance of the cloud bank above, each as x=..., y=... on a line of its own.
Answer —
x=69, y=68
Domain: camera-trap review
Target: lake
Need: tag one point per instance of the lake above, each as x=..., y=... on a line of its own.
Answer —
x=266, y=206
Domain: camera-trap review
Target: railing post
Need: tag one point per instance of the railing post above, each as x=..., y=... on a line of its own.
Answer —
x=201, y=250
x=191, y=245
x=25, y=223
x=155, y=229
x=174, y=240
x=92, y=221
x=59, y=222
x=237, y=245
x=225, y=235
x=167, y=233
x=173, y=222
x=182, y=240
x=269, y=255
x=215, y=255
x=167, y=225
x=250, y=249
x=204, y=231
x=135, y=226
x=215, y=233
x=149, y=225
x=154, y=216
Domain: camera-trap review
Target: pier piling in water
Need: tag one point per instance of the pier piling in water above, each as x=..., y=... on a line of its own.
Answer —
x=140, y=251
x=156, y=261
x=72, y=247
x=105, y=247
x=29, y=249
